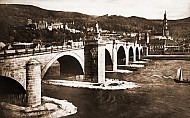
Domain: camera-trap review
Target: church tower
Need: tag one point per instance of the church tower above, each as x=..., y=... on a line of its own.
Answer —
x=165, y=26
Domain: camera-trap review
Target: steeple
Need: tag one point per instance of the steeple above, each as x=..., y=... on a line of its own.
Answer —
x=165, y=26
x=165, y=16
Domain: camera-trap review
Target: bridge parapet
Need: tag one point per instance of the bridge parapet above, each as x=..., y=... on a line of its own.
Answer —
x=19, y=53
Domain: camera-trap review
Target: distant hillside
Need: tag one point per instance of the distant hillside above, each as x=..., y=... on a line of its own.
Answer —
x=131, y=24
x=17, y=15
x=180, y=29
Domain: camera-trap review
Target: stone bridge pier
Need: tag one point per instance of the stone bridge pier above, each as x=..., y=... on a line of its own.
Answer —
x=114, y=56
x=33, y=83
x=94, y=56
x=94, y=53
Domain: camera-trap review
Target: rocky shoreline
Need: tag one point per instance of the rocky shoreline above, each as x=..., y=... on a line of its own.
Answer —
x=50, y=108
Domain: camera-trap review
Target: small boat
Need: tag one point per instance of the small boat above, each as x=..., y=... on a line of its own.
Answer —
x=179, y=77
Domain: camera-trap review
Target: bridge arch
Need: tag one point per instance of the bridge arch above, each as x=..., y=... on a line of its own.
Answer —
x=121, y=56
x=140, y=52
x=109, y=48
x=137, y=53
x=108, y=60
x=60, y=56
x=11, y=91
x=131, y=54
x=69, y=65
x=9, y=85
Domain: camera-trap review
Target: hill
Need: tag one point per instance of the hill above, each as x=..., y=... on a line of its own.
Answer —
x=130, y=24
x=12, y=15
x=179, y=29
x=15, y=14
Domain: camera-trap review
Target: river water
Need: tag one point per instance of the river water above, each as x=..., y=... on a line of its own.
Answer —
x=158, y=95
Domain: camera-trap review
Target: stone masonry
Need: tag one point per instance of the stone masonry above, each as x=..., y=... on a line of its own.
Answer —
x=33, y=83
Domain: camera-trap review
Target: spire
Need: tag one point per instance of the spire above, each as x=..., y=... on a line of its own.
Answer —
x=165, y=16
x=165, y=26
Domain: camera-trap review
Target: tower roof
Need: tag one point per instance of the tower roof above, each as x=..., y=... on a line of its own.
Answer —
x=165, y=16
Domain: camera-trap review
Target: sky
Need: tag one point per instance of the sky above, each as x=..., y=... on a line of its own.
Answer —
x=150, y=9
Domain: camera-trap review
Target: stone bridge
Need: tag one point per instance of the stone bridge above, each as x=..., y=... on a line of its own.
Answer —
x=114, y=53
x=15, y=67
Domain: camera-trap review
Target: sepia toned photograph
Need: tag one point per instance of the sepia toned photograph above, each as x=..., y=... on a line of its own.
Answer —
x=94, y=58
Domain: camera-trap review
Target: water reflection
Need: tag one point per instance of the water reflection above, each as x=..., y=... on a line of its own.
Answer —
x=158, y=96
x=17, y=99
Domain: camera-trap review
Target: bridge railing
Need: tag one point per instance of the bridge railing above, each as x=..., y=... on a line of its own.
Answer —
x=16, y=53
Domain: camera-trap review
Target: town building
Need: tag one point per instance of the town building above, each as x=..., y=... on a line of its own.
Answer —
x=162, y=43
x=42, y=25
x=19, y=45
x=184, y=46
x=57, y=25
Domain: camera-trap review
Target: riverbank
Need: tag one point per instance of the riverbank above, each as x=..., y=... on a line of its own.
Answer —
x=109, y=84
x=50, y=108
x=168, y=57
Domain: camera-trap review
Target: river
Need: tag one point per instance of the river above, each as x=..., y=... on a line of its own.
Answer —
x=158, y=95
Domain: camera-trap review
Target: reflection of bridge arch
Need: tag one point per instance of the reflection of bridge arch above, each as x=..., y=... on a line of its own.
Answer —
x=60, y=57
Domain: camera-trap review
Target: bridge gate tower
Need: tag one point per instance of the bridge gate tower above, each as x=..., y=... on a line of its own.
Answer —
x=94, y=54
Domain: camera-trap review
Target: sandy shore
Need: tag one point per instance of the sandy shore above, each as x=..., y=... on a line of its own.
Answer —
x=110, y=84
